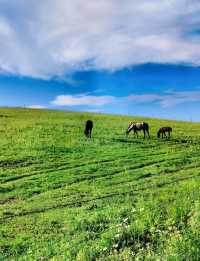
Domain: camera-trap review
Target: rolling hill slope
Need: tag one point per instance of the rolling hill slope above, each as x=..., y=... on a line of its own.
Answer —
x=65, y=197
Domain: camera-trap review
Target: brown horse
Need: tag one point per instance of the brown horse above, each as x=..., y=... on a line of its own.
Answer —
x=138, y=126
x=88, y=128
x=162, y=131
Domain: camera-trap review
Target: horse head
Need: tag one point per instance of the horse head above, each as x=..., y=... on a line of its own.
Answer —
x=130, y=127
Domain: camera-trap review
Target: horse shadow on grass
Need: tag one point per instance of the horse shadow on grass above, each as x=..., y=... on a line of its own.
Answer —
x=128, y=140
x=182, y=140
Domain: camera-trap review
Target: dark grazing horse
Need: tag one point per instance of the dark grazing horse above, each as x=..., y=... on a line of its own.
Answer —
x=138, y=126
x=162, y=131
x=88, y=128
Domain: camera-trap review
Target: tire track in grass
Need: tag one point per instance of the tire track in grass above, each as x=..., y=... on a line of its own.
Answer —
x=60, y=165
x=84, y=178
x=63, y=167
x=93, y=163
x=128, y=183
x=191, y=166
x=95, y=177
x=80, y=203
x=149, y=175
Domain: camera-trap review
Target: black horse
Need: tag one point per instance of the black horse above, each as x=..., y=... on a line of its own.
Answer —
x=138, y=126
x=162, y=131
x=88, y=128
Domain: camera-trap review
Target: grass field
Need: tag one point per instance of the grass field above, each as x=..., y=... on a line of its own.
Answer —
x=65, y=197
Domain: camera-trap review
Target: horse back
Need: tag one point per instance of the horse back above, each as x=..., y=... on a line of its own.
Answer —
x=89, y=124
x=141, y=125
x=165, y=129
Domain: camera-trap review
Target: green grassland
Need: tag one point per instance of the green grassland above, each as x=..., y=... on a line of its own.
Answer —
x=66, y=197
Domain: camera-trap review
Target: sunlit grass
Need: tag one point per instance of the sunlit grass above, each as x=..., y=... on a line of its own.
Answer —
x=66, y=197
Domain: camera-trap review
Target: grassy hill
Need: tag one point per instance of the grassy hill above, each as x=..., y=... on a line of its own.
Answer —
x=65, y=197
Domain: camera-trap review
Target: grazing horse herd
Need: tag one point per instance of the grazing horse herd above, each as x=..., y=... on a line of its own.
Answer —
x=135, y=127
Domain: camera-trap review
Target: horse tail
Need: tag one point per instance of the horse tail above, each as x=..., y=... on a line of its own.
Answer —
x=158, y=134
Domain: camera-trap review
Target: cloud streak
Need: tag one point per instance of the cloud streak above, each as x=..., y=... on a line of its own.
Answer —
x=168, y=99
x=88, y=100
x=54, y=38
x=36, y=107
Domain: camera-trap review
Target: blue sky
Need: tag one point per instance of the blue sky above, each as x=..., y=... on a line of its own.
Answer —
x=139, y=58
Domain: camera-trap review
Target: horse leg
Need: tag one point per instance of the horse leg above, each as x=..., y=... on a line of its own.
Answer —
x=165, y=134
x=148, y=134
x=144, y=133
x=135, y=132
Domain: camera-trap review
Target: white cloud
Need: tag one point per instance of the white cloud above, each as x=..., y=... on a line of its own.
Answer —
x=51, y=38
x=88, y=100
x=36, y=107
